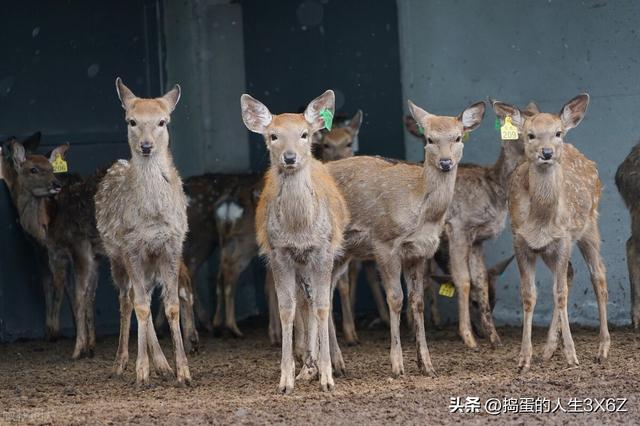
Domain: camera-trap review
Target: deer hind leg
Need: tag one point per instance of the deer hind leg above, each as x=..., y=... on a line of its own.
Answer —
x=218, y=317
x=390, y=271
x=306, y=329
x=187, y=314
x=83, y=263
x=554, y=328
x=285, y=286
x=58, y=264
x=459, y=249
x=557, y=259
x=339, y=367
x=480, y=281
x=348, y=322
x=275, y=331
x=589, y=246
x=376, y=290
x=431, y=293
x=91, y=304
x=168, y=277
x=414, y=278
x=232, y=273
x=322, y=303
x=633, y=262
x=526, y=266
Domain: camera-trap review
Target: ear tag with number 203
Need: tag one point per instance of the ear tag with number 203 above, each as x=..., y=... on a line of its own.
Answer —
x=508, y=131
x=447, y=290
x=59, y=165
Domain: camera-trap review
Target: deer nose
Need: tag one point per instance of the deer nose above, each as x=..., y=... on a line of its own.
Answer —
x=446, y=164
x=56, y=184
x=146, y=146
x=547, y=153
x=289, y=157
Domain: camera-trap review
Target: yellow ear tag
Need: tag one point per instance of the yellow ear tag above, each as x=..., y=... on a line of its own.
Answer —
x=447, y=290
x=508, y=131
x=59, y=165
x=465, y=137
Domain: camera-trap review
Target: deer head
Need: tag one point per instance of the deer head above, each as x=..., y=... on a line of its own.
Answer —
x=338, y=143
x=147, y=120
x=543, y=133
x=443, y=135
x=288, y=136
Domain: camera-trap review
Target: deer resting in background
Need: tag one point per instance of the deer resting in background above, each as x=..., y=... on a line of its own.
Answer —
x=628, y=183
x=398, y=212
x=553, y=201
x=141, y=213
x=300, y=220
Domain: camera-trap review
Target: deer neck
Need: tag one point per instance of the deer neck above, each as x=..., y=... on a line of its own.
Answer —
x=34, y=214
x=438, y=189
x=506, y=163
x=296, y=199
x=153, y=173
x=546, y=193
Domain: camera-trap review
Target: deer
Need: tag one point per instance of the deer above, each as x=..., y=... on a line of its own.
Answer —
x=628, y=186
x=141, y=216
x=478, y=213
x=398, y=214
x=553, y=200
x=300, y=220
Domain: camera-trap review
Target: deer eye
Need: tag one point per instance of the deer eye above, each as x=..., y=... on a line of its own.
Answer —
x=132, y=123
x=531, y=136
x=325, y=145
x=558, y=134
x=349, y=144
x=34, y=170
x=274, y=138
x=430, y=141
x=162, y=123
x=304, y=135
x=458, y=139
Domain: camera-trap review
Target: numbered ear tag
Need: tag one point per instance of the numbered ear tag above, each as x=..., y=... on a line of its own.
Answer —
x=508, y=131
x=447, y=290
x=327, y=116
x=59, y=165
x=420, y=129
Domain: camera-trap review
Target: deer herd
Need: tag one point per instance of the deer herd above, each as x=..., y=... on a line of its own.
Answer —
x=318, y=216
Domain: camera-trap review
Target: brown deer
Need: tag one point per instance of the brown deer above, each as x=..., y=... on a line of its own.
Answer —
x=629, y=187
x=478, y=212
x=141, y=214
x=300, y=220
x=398, y=216
x=553, y=201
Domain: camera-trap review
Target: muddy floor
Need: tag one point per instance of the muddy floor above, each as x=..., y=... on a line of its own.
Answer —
x=235, y=382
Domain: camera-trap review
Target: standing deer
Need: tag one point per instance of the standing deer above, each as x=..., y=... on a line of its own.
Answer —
x=398, y=212
x=553, y=201
x=628, y=183
x=141, y=213
x=300, y=220
x=478, y=213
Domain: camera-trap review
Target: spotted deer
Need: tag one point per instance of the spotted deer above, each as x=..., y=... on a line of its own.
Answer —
x=553, y=202
x=398, y=213
x=141, y=214
x=628, y=183
x=300, y=220
x=478, y=213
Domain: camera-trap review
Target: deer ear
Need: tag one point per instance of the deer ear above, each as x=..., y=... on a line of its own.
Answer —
x=418, y=114
x=573, y=111
x=472, y=116
x=531, y=109
x=355, y=123
x=411, y=125
x=255, y=114
x=326, y=101
x=126, y=96
x=18, y=154
x=59, y=150
x=504, y=110
x=172, y=97
x=32, y=142
x=500, y=267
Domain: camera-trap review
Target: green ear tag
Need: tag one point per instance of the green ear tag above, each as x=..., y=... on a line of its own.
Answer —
x=327, y=116
x=497, y=124
x=420, y=129
x=465, y=137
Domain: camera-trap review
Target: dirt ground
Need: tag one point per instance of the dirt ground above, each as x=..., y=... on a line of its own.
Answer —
x=235, y=382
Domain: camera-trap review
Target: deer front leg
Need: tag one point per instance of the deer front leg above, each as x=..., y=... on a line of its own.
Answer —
x=300, y=328
x=275, y=332
x=414, y=278
x=125, y=298
x=142, y=308
x=58, y=264
x=237, y=262
x=348, y=322
x=285, y=285
x=91, y=304
x=554, y=328
x=633, y=263
x=187, y=314
x=589, y=246
x=169, y=272
x=431, y=293
x=480, y=280
x=376, y=290
x=526, y=265
x=459, y=252
x=83, y=263
x=390, y=270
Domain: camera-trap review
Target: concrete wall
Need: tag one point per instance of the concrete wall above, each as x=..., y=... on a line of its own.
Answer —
x=456, y=52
